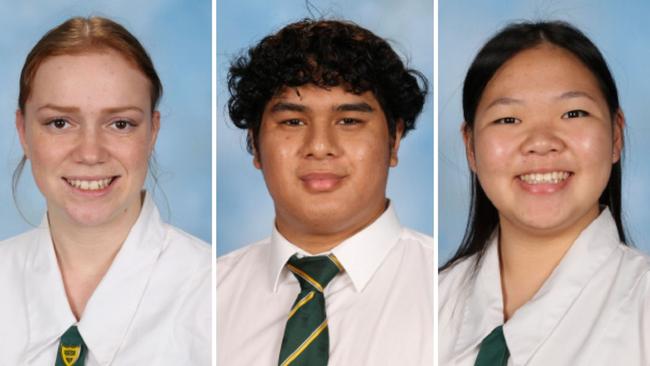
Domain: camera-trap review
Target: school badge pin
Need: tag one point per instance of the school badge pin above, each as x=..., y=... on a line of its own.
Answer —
x=70, y=354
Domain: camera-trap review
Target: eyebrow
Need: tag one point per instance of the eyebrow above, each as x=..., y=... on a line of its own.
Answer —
x=576, y=94
x=288, y=107
x=346, y=107
x=355, y=107
x=110, y=110
x=566, y=95
x=504, y=101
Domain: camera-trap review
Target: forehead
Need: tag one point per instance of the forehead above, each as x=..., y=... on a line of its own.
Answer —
x=544, y=69
x=313, y=97
x=103, y=78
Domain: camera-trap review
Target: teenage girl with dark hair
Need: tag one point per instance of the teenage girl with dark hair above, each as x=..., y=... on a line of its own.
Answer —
x=544, y=275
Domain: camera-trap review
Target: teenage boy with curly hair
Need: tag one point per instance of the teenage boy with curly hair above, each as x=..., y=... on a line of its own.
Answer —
x=326, y=105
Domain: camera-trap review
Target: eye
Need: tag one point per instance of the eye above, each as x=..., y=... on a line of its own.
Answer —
x=349, y=121
x=507, y=121
x=122, y=125
x=575, y=114
x=58, y=123
x=293, y=122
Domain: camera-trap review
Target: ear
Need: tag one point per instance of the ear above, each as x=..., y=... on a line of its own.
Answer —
x=468, y=139
x=394, y=149
x=618, y=138
x=20, y=127
x=155, y=127
x=257, y=163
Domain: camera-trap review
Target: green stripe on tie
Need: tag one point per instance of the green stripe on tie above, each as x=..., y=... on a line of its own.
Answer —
x=72, y=349
x=494, y=350
x=306, y=338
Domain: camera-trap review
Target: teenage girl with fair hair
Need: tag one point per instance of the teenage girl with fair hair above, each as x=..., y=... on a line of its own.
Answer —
x=102, y=280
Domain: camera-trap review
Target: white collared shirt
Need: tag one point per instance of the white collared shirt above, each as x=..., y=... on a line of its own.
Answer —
x=151, y=308
x=593, y=310
x=379, y=311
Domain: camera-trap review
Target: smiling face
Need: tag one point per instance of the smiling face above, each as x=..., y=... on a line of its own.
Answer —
x=325, y=155
x=543, y=142
x=88, y=130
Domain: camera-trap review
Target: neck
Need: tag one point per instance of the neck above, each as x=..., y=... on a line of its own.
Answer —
x=85, y=253
x=315, y=239
x=527, y=259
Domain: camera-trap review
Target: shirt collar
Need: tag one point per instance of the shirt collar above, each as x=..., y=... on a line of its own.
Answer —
x=360, y=254
x=484, y=308
x=548, y=306
x=112, y=306
x=49, y=313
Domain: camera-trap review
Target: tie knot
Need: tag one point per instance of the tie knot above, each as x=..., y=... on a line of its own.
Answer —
x=493, y=350
x=314, y=272
x=72, y=349
x=71, y=336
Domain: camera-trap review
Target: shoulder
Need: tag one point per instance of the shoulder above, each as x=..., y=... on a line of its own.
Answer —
x=634, y=256
x=634, y=269
x=455, y=278
x=184, y=271
x=186, y=247
x=250, y=255
x=184, y=262
x=18, y=246
x=417, y=240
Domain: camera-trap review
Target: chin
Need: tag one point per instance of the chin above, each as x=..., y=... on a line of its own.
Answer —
x=88, y=219
x=90, y=215
x=326, y=220
x=544, y=222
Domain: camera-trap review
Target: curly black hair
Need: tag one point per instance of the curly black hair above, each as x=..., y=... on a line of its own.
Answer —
x=326, y=53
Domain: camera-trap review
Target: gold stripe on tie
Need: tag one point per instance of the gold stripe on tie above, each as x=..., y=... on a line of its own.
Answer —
x=335, y=260
x=305, y=344
x=302, y=302
x=306, y=277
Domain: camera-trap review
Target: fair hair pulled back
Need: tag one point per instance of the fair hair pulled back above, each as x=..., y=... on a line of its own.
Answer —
x=79, y=35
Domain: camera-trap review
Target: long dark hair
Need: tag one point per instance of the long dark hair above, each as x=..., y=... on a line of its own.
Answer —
x=483, y=217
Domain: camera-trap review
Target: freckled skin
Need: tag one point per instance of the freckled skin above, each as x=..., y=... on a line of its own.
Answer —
x=90, y=145
x=354, y=147
x=544, y=137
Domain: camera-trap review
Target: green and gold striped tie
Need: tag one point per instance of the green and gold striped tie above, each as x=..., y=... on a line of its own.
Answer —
x=494, y=350
x=306, y=339
x=72, y=349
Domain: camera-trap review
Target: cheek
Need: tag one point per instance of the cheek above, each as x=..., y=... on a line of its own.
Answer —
x=493, y=153
x=137, y=157
x=277, y=151
x=364, y=151
x=370, y=163
x=277, y=158
x=373, y=143
x=45, y=153
x=132, y=154
x=593, y=147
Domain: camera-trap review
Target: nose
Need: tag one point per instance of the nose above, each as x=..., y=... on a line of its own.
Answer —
x=542, y=140
x=90, y=146
x=321, y=141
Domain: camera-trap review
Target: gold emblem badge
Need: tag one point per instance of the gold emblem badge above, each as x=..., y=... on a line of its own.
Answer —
x=70, y=354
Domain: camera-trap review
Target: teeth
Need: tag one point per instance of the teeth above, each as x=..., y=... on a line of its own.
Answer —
x=544, y=178
x=89, y=185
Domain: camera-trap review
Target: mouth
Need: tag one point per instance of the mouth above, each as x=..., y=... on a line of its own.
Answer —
x=321, y=182
x=554, y=177
x=95, y=184
x=547, y=182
